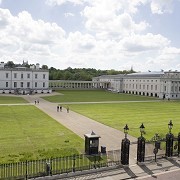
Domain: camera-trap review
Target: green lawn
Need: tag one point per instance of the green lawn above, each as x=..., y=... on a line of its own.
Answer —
x=154, y=115
x=11, y=100
x=28, y=133
x=94, y=96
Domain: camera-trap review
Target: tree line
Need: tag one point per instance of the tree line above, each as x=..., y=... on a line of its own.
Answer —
x=82, y=74
x=79, y=74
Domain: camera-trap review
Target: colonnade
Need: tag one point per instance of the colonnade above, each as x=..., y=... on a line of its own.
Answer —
x=58, y=84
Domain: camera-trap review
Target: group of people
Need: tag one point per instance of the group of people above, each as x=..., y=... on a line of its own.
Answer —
x=36, y=101
x=59, y=108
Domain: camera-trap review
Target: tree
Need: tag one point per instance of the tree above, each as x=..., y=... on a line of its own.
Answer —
x=10, y=64
x=44, y=67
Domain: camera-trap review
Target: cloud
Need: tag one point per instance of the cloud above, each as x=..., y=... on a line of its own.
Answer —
x=23, y=35
x=80, y=43
x=68, y=14
x=148, y=42
x=112, y=37
x=161, y=6
x=61, y=2
x=105, y=20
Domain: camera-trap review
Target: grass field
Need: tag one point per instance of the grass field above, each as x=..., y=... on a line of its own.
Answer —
x=154, y=115
x=93, y=96
x=28, y=133
x=11, y=100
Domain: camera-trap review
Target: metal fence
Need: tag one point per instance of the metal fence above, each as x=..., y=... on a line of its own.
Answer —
x=53, y=166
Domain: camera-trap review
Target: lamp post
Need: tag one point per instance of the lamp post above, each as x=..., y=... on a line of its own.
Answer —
x=126, y=129
x=170, y=126
x=141, y=145
x=142, y=129
x=125, y=147
x=169, y=140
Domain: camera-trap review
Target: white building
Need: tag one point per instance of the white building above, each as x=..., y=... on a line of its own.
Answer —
x=156, y=84
x=23, y=80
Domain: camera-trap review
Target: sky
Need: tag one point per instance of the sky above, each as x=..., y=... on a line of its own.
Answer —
x=100, y=34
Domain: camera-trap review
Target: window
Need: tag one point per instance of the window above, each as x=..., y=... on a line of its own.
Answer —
x=35, y=84
x=21, y=84
x=155, y=87
x=28, y=76
x=44, y=76
x=21, y=76
x=151, y=87
x=43, y=84
x=15, y=84
x=7, y=75
x=28, y=84
x=6, y=84
x=175, y=88
x=15, y=75
x=36, y=76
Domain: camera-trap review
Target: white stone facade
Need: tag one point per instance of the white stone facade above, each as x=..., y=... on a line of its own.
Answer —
x=165, y=85
x=22, y=80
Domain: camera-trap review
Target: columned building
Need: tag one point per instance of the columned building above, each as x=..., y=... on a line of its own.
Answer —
x=61, y=84
x=23, y=80
x=155, y=84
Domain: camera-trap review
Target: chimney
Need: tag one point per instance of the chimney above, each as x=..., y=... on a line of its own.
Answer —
x=2, y=65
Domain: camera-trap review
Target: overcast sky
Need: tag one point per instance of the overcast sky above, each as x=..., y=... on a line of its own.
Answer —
x=100, y=34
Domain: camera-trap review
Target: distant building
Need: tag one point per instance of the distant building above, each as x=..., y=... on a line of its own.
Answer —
x=23, y=80
x=165, y=85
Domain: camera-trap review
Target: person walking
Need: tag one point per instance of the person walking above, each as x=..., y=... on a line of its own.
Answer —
x=57, y=108
x=67, y=109
x=61, y=108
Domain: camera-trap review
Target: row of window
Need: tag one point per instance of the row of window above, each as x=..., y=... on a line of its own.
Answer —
x=139, y=80
x=135, y=86
x=22, y=75
x=22, y=84
x=173, y=88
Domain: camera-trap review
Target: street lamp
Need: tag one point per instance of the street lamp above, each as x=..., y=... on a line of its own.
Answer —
x=126, y=129
x=142, y=127
x=170, y=125
x=169, y=140
x=141, y=145
x=125, y=144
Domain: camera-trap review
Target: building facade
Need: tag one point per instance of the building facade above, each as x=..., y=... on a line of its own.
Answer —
x=23, y=80
x=165, y=85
